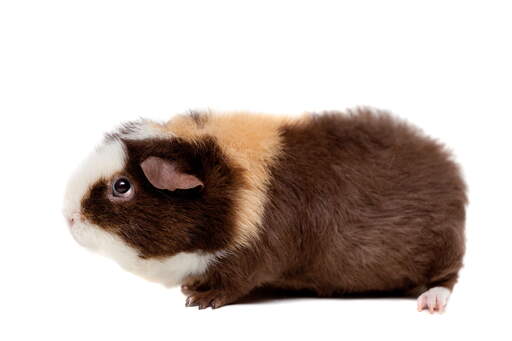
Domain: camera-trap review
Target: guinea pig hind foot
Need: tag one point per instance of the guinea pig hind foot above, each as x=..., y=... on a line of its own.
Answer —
x=434, y=299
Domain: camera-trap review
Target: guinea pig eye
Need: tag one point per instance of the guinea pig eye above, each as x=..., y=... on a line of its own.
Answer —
x=121, y=187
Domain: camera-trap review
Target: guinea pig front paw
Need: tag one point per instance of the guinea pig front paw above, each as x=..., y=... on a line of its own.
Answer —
x=210, y=298
x=192, y=286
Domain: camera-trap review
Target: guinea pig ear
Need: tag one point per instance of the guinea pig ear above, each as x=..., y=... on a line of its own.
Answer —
x=164, y=174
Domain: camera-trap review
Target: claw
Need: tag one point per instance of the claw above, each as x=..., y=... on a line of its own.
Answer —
x=191, y=302
x=207, y=299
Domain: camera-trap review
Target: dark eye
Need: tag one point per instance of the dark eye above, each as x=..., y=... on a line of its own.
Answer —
x=121, y=187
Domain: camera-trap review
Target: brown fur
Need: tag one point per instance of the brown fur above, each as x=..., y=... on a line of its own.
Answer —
x=342, y=203
x=251, y=142
x=161, y=223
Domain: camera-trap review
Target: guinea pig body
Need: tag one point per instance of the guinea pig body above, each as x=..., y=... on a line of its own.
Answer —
x=226, y=203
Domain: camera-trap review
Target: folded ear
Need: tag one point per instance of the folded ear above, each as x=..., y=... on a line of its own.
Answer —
x=164, y=174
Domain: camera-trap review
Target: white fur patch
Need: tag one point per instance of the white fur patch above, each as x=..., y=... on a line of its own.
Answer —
x=104, y=162
x=170, y=271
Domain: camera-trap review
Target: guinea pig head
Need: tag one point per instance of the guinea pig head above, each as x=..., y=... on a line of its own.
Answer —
x=157, y=204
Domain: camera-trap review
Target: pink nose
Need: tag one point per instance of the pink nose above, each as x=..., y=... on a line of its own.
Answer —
x=71, y=221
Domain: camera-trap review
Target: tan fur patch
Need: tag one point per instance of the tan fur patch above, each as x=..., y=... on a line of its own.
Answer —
x=252, y=142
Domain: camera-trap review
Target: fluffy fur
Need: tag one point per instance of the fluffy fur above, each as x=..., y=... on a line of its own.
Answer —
x=334, y=203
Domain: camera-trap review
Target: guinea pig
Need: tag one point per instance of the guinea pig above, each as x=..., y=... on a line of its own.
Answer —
x=223, y=203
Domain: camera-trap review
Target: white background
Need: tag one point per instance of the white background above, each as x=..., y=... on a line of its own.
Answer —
x=71, y=70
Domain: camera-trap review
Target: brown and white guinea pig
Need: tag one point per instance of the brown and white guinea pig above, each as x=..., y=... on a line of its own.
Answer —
x=223, y=203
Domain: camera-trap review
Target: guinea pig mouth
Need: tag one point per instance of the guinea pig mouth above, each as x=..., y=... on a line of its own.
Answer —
x=70, y=221
x=71, y=217
x=83, y=233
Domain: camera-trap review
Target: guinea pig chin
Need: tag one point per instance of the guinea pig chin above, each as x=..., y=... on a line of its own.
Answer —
x=169, y=271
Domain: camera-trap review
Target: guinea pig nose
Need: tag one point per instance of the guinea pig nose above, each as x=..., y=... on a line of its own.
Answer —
x=71, y=221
